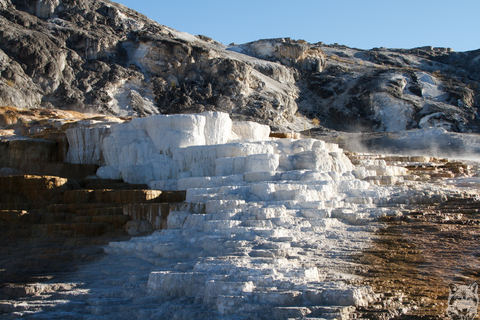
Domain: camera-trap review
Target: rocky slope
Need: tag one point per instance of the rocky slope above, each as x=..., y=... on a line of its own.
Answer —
x=394, y=90
x=101, y=56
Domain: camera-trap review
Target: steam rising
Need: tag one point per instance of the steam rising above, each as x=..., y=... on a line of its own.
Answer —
x=434, y=142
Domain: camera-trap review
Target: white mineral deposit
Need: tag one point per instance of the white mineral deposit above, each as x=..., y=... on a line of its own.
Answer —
x=271, y=221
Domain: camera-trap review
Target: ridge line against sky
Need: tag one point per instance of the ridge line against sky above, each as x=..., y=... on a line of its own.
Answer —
x=358, y=24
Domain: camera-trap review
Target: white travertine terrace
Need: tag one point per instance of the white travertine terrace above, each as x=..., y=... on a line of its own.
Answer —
x=272, y=217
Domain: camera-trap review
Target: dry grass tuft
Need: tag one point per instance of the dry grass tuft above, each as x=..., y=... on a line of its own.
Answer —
x=8, y=115
x=10, y=83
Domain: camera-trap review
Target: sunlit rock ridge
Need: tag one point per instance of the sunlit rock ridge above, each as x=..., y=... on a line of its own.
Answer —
x=103, y=57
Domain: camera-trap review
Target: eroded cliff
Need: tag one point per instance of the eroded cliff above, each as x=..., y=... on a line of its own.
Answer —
x=101, y=56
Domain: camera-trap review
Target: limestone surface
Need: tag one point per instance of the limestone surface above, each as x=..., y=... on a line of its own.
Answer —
x=272, y=228
x=168, y=148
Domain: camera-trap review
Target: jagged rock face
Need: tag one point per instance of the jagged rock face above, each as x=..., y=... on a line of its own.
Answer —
x=379, y=90
x=288, y=52
x=392, y=90
x=100, y=56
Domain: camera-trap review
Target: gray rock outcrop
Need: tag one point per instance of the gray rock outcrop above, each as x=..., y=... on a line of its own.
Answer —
x=382, y=90
x=100, y=56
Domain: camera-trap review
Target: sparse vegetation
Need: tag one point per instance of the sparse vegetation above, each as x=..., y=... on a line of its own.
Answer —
x=473, y=86
x=11, y=115
x=337, y=58
x=10, y=83
x=8, y=115
x=439, y=75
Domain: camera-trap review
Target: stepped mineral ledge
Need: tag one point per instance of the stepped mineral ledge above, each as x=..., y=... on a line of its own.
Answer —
x=269, y=223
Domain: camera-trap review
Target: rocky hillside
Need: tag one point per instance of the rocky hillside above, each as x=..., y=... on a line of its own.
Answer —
x=100, y=56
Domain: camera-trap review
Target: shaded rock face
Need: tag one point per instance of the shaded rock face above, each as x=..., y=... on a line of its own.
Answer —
x=100, y=56
x=392, y=90
x=103, y=57
x=34, y=141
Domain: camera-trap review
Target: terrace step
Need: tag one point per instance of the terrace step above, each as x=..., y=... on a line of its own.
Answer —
x=122, y=196
x=48, y=224
x=117, y=184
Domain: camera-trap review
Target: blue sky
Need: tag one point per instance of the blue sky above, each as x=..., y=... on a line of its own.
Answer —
x=363, y=24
